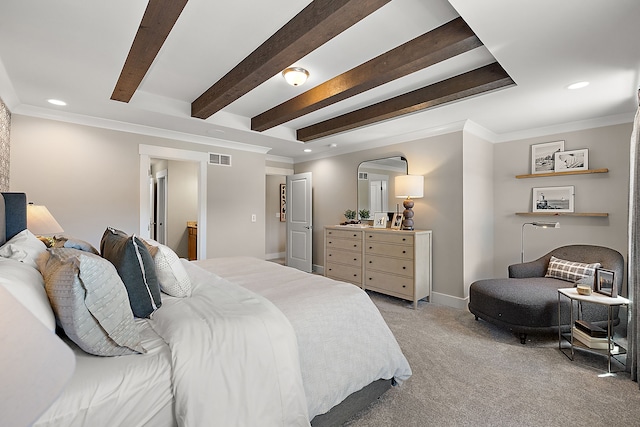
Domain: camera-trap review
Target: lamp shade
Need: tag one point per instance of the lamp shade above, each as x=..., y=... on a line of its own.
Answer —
x=409, y=186
x=40, y=221
x=295, y=76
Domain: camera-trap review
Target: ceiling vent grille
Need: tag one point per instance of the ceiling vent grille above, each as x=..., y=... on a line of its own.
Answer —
x=363, y=176
x=219, y=159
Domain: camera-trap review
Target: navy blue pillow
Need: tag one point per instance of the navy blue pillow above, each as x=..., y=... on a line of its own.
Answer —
x=135, y=267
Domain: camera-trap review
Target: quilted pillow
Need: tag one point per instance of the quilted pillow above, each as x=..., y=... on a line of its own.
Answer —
x=569, y=270
x=90, y=302
x=136, y=268
x=24, y=247
x=25, y=283
x=172, y=275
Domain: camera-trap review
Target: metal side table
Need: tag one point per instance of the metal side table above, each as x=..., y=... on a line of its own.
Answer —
x=613, y=349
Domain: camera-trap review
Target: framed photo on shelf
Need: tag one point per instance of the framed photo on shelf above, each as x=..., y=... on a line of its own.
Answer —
x=380, y=220
x=605, y=282
x=553, y=199
x=397, y=221
x=543, y=156
x=573, y=160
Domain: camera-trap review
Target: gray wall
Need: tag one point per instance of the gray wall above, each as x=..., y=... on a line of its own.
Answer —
x=89, y=179
x=439, y=159
x=608, y=192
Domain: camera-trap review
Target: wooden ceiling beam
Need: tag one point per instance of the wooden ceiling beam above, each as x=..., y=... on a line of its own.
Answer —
x=481, y=80
x=316, y=24
x=157, y=22
x=444, y=42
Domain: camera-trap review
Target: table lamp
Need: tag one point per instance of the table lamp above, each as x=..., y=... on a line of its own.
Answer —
x=409, y=187
x=41, y=223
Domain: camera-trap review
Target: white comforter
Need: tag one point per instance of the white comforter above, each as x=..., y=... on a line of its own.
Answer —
x=343, y=340
x=234, y=355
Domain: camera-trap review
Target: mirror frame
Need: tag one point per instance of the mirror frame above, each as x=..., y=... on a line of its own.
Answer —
x=399, y=157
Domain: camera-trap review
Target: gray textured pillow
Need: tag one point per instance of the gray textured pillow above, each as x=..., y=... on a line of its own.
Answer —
x=136, y=268
x=90, y=302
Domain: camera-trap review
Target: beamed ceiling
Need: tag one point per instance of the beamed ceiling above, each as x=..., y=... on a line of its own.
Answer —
x=316, y=24
x=381, y=71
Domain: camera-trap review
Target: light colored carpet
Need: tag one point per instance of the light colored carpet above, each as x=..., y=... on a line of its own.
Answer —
x=470, y=373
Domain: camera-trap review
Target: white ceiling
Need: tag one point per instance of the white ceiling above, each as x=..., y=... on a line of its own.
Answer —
x=74, y=50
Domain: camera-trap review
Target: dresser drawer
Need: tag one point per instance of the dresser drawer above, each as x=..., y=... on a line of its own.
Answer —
x=344, y=257
x=400, y=251
x=344, y=234
x=389, y=283
x=402, y=266
x=344, y=272
x=345, y=244
x=398, y=237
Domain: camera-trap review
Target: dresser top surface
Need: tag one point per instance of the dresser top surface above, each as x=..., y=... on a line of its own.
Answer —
x=375, y=230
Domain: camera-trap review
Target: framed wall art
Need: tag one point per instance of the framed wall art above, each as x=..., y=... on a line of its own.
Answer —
x=283, y=202
x=543, y=156
x=573, y=160
x=553, y=199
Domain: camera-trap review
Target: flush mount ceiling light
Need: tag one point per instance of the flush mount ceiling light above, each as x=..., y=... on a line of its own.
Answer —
x=295, y=76
x=578, y=85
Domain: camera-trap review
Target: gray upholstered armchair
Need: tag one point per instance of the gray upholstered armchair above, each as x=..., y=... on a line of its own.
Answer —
x=527, y=302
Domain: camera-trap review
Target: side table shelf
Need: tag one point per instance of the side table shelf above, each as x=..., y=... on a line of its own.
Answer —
x=614, y=349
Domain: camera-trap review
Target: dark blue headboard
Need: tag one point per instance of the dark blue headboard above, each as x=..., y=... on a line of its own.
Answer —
x=14, y=215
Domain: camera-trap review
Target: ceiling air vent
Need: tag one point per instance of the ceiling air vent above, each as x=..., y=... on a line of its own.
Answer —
x=219, y=159
x=363, y=176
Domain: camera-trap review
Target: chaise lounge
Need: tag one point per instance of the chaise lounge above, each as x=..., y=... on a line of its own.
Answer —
x=527, y=302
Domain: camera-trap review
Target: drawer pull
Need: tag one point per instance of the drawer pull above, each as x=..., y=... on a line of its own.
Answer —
x=355, y=246
x=355, y=235
x=355, y=275
x=404, y=286
x=404, y=239
x=370, y=247
x=404, y=252
x=355, y=259
x=404, y=268
x=370, y=262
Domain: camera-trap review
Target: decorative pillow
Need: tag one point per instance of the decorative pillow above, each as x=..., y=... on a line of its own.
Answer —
x=90, y=302
x=73, y=243
x=172, y=275
x=136, y=268
x=569, y=270
x=26, y=284
x=24, y=247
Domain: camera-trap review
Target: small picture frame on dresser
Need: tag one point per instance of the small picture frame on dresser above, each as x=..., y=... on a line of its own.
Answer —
x=397, y=221
x=380, y=220
x=605, y=282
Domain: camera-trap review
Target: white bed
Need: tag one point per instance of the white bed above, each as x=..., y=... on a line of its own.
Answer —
x=255, y=343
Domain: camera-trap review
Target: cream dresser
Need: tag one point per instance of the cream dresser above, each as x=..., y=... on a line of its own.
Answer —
x=391, y=262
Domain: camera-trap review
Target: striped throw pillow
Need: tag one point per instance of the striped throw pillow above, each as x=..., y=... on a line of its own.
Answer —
x=569, y=270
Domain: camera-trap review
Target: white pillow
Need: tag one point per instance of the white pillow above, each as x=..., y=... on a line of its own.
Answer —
x=172, y=275
x=24, y=247
x=25, y=283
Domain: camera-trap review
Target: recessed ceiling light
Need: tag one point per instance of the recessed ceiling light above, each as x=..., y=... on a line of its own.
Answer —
x=307, y=150
x=578, y=85
x=334, y=145
x=56, y=102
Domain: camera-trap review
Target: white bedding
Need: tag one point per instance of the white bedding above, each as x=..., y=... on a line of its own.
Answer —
x=116, y=391
x=343, y=340
x=235, y=357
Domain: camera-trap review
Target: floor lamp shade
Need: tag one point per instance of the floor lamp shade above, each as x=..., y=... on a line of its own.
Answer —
x=409, y=187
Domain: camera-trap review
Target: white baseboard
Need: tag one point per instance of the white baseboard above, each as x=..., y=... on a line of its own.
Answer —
x=275, y=255
x=449, y=301
x=318, y=269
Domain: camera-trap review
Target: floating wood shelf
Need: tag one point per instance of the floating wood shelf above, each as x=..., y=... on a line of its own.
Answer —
x=540, y=175
x=600, y=214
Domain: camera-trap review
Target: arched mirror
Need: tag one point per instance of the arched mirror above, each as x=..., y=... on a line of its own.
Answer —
x=375, y=184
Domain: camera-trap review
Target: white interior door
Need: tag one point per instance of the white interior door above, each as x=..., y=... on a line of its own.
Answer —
x=299, y=222
x=152, y=206
x=378, y=193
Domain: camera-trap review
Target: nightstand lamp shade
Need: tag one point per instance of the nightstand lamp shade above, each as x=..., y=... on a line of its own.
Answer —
x=409, y=187
x=40, y=221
